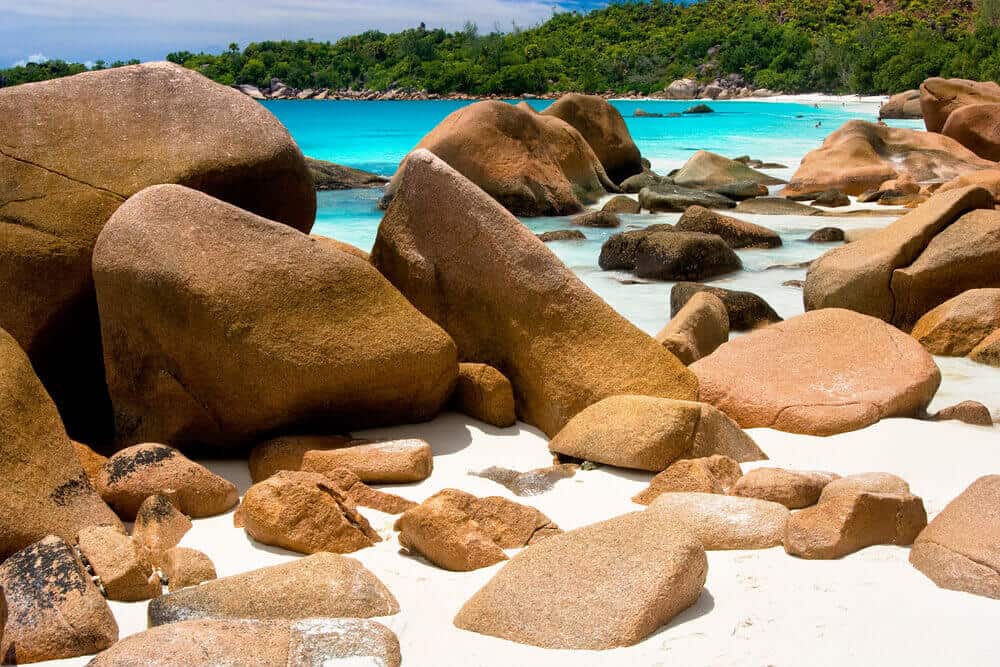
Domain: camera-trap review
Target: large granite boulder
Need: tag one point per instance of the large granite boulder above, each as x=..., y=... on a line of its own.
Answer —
x=939, y=98
x=960, y=548
x=735, y=232
x=709, y=171
x=649, y=433
x=821, y=373
x=532, y=164
x=45, y=490
x=323, y=584
x=902, y=105
x=977, y=127
x=884, y=274
x=211, y=643
x=507, y=301
x=861, y=155
x=608, y=584
x=73, y=150
x=679, y=255
x=604, y=129
x=195, y=357
x=746, y=310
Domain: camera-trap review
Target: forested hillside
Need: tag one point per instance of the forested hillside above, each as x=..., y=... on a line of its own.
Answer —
x=858, y=46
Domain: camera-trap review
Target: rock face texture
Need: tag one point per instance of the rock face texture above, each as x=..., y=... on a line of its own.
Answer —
x=886, y=275
x=609, y=584
x=185, y=567
x=483, y=393
x=960, y=548
x=821, y=373
x=73, y=150
x=735, y=232
x=304, y=512
x=977, y=127
x=939, y=98
x=604, y=129
x=388, y=462
x=708, y=171
x=650, y=433
x=988, y=351
x=708, y=474
x=532, y=164
x=45, y=489
x=323, y=584
x=969, y=412
x=460, y=532
x=698, y=329
x=136, y=473
x=123, y=568
x=861, y=155
x=318, y=325
x=724, y=522
x=794, y=489
x=959, y=324
x=522, y=311
x=314, y=641
x=54, y=610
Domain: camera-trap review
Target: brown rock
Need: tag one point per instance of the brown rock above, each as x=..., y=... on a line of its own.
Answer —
x=708, y=474
x=746, y=310
x=608, y=584
x=794, y=489
x=304, y=512
x=531, y=164
x=119, y=562
x=332, y=176
x=939, y=98
x=959, y=324
x=460, y=532
x=698, y=329
x=89, y=459
x=562, y=235
x=530, y=482
x=707, y=170
x=776, y=206
x=360, y=493
x=54, y=610
x=603, y=127
x=482, y=392
x=74, y=149
x=902, y=105
x=136, y=473
x=969, y=412
x=205, y=642
x=868, y=482
x=159, y=527
x=390, y=461
x=826, y=235
x=600, y=218
x=735, y=232
x=322, y=340
x=825, y=372
x=684, y=256
x=523, y=311
x=341, y=246
x=985, y=178
x=45, y=489
x=862, y=155
x=848, y=522
x=832, y=199
x=859, y=275
x=323, y=584
x=185, y=567
x=724, y=522
x=960, y=548
x=988, y=351
x=622, y=204
x=650, y=433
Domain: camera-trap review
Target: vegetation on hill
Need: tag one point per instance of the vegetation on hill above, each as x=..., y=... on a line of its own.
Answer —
x=857, y=46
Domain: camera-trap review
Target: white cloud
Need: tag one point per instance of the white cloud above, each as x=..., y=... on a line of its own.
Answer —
x=33, y=58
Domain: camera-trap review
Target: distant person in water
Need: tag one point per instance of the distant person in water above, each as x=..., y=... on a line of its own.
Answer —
x=818, y=124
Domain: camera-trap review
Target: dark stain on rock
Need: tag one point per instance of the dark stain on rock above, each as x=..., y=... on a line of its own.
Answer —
x=155, y=509
x=119, y=467
x=39, y=578
x=64, y=494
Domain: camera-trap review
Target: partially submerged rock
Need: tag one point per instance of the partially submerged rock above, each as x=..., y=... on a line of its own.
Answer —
x=390, y=461
x=684, y=256
x=707, y=474
x=599, y=218
x=746, y=310
x=832, y=199
x=735, y=232
x=54, y=610
x=562, y=235
x=530, y=482
x=323, y=584
x=825, y=372
x=520, y=305
x=708, y=171
x=698, y=329
x=331, y=176
x=724, y=522
x=622, y=204
x=667, y=197
x=482, y=392
x=775, y=206
x=826, y=235
x=124, y=570
x=608, y=584
x=650, y=433
x=794, y=489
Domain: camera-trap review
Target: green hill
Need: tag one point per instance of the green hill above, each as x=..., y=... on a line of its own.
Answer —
x=857, y=46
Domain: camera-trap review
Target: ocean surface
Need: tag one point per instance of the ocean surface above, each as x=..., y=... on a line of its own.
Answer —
x=375, y=136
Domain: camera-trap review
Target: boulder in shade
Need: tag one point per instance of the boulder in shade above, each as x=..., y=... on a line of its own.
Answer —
x=775, y=206
x=826, y=235
x=482, y=392
x=679, y=255
x=323, y=584
x=390, y=461
x=724, y=522
x=562, y=235
x=832, y=199
x=605, y=585
x=746, y=310
x=667, y=198
x=649, y=433
x=794, y=489
x=825, y=372
x=735, y=232
x=321, y=341
x=521, y=310
x=331, y=176
x=618, y=253
x=698, y=329
x=599, y=218
x=708, y=474
x=868, y=482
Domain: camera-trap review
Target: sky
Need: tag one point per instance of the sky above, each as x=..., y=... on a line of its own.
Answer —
x=88, y=30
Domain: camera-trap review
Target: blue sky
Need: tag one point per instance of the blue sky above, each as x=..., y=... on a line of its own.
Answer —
x=81, y=30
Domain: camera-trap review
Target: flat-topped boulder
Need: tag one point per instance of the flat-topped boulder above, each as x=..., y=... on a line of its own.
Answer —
x=650, y=433
x=724, y=522
x=323, y=584
x=521, y=310
x=599, y=218
x=74, y=149
x=939, y=98
x=318, y=341
x=45, y=490
x=622, y=204
x=698, y=329
x=821, y=373
x=562, y=235
x=960, y=548
x=861, y=155
x=531, y=163
x=331, y=176
x=959, y=324
x=746, y=310
x=313, y=641
x=605, y=585
x=667, y=197
x=604, y=129
x=735, y=232
x=387, y=462
x=867, y=482
x=706, y=474
x=775, y=206
x=709, y=171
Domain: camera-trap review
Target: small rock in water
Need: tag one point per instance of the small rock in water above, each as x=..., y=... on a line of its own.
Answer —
x=622, y=204
x=531, y=482
x=826, y=235
x=600, y=218
x=562, y=235
x=832, y=199
x=699, y=108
